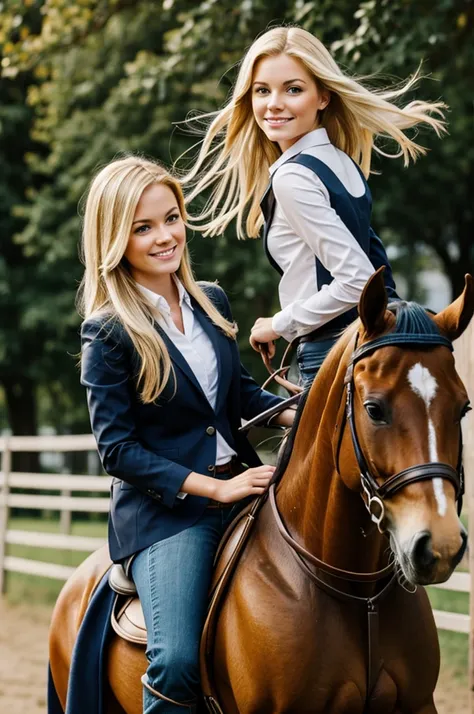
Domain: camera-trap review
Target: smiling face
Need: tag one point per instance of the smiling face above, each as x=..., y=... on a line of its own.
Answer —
x=285, y=99
x=157, y=238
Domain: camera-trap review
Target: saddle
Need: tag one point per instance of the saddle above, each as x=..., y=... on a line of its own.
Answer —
x=127, y=618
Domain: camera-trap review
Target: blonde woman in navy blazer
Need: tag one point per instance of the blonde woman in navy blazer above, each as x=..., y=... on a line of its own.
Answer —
x=166, y=395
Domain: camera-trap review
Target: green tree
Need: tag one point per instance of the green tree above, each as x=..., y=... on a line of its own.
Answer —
x=107, y=76
x=429, y=203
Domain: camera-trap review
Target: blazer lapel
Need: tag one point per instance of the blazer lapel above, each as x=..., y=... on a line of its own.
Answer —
x=178, y=360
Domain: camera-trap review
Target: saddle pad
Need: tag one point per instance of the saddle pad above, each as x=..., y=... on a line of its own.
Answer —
x=128, y=621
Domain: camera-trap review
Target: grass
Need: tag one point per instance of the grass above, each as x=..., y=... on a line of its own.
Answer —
x=44, y=591
x=454, y=645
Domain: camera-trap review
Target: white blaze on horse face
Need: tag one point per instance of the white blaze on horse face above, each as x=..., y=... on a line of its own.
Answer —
x=425, y=386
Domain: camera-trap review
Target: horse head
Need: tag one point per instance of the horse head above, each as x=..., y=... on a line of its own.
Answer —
x=405, y=403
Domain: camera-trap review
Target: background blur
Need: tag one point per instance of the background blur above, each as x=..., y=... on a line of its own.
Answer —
x=84, y=80
x=81, y=81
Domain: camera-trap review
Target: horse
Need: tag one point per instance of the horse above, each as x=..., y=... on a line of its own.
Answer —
x=323, y=612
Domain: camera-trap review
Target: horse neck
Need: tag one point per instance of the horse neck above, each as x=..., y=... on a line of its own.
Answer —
x=322, y=513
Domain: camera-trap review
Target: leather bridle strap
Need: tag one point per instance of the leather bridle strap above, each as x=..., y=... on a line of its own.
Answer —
x=422, y=472
x=374, y=492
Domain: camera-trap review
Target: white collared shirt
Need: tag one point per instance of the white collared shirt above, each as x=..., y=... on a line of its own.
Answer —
x=196, y=348
x=304, y=226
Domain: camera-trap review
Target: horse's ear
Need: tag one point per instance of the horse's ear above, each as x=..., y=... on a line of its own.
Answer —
x=453, y=320
x=373, y=303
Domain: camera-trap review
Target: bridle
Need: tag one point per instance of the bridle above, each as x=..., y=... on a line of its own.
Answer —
x=373, y=493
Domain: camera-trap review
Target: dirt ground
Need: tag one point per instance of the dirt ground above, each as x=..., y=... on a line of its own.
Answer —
x=24, y=655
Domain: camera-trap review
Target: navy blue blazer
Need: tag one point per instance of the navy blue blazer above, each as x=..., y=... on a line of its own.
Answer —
x=151, y=448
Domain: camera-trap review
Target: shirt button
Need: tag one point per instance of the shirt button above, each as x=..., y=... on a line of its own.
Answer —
x=210, y=431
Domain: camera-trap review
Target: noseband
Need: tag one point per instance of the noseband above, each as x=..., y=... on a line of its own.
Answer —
x=374, y=492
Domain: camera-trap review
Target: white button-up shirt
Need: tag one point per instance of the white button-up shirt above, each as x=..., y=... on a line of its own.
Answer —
x=196, y=348
x=304, y=226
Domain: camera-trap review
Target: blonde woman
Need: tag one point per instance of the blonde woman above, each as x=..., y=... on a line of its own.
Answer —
x=166, y=395
x=295, y=117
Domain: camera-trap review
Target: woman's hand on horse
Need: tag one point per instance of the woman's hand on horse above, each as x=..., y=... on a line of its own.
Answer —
x=263, y=333
x=252, y=482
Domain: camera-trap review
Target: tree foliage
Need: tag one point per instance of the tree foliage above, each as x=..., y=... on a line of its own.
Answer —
x=83, y=81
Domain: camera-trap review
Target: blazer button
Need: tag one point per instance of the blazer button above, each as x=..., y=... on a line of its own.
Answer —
x=211, y=467
x=210, y=431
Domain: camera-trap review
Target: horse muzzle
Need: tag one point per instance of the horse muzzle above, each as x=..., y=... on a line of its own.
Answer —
x=422, y=563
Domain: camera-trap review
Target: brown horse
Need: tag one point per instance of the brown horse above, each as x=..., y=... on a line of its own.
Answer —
x=313, y=620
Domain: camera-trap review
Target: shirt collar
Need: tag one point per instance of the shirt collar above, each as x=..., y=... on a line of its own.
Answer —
x=317, y=137
x=160, y=302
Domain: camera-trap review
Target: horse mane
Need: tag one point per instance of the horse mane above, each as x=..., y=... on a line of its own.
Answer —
x=410, y=319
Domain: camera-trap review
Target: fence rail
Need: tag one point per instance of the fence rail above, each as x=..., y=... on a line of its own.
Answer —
x=67, y=502
x=460, y=582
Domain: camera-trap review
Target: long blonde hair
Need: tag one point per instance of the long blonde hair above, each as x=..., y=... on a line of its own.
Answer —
x=108, y=288
x=235, y=154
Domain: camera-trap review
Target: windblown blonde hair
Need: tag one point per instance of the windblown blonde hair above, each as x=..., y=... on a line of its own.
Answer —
x=108, y=288
x=235, y=154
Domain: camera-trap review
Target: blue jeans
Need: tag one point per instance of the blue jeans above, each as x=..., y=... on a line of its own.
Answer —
x=173, y=578
x=309, y=358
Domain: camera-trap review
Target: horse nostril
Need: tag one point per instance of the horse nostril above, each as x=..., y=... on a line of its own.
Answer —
x=460, y=554
x=422, y=552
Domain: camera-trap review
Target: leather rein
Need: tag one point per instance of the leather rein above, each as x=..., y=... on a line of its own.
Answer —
x=373, y=495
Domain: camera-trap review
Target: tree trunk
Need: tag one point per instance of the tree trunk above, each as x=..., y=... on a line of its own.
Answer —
x=20, y=396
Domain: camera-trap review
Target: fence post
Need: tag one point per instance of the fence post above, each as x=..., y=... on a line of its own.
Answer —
x=6, y=463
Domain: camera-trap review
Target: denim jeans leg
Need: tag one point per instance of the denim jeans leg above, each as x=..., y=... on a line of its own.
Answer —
x=173, y=578
x=310, y=356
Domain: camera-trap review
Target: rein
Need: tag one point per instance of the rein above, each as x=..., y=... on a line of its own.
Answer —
x=278, y=374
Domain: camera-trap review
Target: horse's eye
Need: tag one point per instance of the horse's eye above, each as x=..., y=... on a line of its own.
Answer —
x=375, y=411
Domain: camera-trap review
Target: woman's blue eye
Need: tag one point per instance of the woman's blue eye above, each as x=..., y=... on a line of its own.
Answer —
x=264, y=90
x=143, y=229
x=173, y=218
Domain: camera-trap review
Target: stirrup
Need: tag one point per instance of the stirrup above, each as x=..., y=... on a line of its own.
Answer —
x=212, y=705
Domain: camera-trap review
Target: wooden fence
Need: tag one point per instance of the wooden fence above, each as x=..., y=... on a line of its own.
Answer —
x=11, y=481
x=66, y=503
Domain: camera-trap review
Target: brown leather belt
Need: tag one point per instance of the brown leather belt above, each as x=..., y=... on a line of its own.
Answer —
x=232, y=467
x=223, y=468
